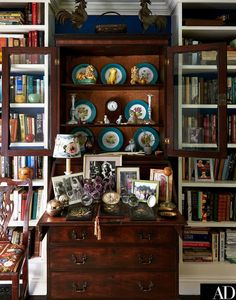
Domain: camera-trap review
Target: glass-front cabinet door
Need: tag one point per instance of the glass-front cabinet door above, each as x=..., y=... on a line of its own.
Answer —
x=197, y=100
x=28, y=112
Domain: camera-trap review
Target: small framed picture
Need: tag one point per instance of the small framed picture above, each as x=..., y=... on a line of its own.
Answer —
x=101, y=165
x=159, y=175
x=143, y=189
x=203, y=169
x=69, y=185
x=124, y=178
x=195, y=135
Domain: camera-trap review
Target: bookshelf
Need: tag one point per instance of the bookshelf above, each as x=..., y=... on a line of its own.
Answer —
x=200, y=41
x=26, y=69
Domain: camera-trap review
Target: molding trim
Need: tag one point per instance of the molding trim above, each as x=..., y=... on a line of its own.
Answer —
x=122, y=7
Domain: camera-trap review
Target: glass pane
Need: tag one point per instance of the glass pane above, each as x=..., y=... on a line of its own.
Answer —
x=196, y=101
x=29, y=100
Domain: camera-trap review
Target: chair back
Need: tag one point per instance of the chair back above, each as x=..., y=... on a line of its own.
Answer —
x=7, y=186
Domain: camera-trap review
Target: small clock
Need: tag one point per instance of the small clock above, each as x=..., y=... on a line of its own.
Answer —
x=113, y=109
x=111, y=198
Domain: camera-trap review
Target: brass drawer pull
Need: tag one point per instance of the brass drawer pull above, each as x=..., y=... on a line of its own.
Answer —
x=143, y=236
x=145, y=259
x=74, y=235
x=146, y=289
x=81, y=289
x=79, y=260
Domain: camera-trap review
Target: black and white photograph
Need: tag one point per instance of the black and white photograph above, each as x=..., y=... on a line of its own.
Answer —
x=69, y=185
x=101, y=165
x=195, y=135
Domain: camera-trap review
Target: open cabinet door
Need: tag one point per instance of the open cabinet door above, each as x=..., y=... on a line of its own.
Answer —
x=197, y=101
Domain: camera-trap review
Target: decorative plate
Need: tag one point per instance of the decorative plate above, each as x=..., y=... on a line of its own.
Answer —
x=82, y=134
x=85, y=111
x=79, y=76
x=139, y=106
x=110, y=139
x=113, y=74
x=139, y=135
x=148, y=71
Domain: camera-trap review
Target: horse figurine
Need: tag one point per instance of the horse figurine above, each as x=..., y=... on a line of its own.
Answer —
x=147, y=19
x=78, y=17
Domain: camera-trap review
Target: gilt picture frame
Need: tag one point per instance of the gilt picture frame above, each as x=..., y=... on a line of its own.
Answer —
x=159, y=175
x=124, y=178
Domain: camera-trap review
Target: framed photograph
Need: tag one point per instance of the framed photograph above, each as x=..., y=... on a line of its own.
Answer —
x=124, y=178
x=70, y=185
x=143, y=189
x=203, y=169
x=195, y=135
x=158, y=175
x=101, y=165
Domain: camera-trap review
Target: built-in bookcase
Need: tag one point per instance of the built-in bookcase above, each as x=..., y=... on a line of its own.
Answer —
x=26, y=87
x=205, y=70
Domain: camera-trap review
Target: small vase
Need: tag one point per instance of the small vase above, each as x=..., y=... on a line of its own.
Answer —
x=147, y=150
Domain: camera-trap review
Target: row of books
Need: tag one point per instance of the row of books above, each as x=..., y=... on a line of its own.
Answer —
x=26, y=88
x=204, y=245
x=10, y=166
x=34, y=13
x=222, y=168
x=26, y=127
x=200, y=205
x=15, y=235
x=230, y=249
x=33, y=38
x=16, y=17
x=199, y=90
x=200, y=128
x=231, y=123
x=19, y=196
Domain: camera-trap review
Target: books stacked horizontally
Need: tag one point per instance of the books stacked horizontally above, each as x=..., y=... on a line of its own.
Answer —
x=203, y=245
x=230, y=247
x=12, y=18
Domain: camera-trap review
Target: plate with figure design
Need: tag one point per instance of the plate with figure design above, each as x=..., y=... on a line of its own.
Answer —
x=85, y=111
x=110, y=139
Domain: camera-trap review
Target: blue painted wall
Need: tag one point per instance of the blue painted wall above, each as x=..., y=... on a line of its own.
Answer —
x=133, y=25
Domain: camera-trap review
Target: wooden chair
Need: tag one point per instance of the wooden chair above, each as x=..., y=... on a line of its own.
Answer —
x=14, y=257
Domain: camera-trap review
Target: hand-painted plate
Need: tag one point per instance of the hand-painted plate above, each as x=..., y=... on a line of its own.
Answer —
x=82, y=134
x=113, y=74
x=85, y=111
x=139, y=136
x=78, y=75
x=139, y=106
x=110, y=139
x=149, y=72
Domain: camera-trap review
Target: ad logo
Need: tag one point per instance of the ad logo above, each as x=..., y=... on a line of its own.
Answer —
x=218, y=291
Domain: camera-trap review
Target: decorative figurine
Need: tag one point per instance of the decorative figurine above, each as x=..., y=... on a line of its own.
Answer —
x=147, y=18
x=131, y=147
x=106, y=120
x=87, y=76
x=54, y=207
x=134, y=75
x=72, y=120
x=112, y=76
x=119, y=120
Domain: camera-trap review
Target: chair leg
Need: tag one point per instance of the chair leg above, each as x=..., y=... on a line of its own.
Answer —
x=25, y=280
x=15, y=288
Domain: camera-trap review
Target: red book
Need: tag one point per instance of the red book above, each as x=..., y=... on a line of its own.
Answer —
x=34, y=13
x=3, y=43
x=23, y=204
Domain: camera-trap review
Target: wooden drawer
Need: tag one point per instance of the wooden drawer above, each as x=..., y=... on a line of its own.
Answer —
x=83, y=258
x=114, y=234
x=113, y=285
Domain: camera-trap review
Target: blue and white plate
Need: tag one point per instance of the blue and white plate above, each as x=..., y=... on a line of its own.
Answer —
x=80, y=69
x=140, y=107
x=148, y=71
x=85, y=111
x=110, y=139
x=83, y=134
x=110, y=76
x=139, y=137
